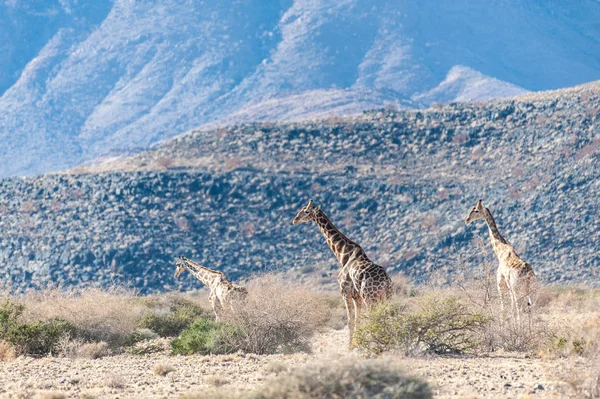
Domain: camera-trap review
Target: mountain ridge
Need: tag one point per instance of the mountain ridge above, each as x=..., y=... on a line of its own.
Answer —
x=121, y=77
x=399, y=182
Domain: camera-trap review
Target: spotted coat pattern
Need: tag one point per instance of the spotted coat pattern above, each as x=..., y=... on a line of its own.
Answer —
x=514, y=277
x=362, y=282
x=222, y=292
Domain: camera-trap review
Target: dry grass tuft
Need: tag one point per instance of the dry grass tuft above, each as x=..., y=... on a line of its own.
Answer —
x=78, y=348
x=52, y=395
x=276, y=367
x=7, y=352
x=350, y=379
x=115, y=381
x=216, y=381
x=213, y=393
x=163, y=369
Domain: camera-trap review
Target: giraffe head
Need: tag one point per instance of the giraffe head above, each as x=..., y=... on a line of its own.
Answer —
x=180, y=268
x=476, y=212
x=307, y=213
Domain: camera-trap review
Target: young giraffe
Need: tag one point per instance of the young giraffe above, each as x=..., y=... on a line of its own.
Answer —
x=361, y=281
x=222, y=292
x=514, y=274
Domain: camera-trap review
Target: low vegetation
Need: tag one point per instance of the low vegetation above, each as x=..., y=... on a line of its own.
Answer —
x=170, y=315
x=437, y=325
x=562, y=327
x=277, y=317
x=363, y=379
x=36, y=338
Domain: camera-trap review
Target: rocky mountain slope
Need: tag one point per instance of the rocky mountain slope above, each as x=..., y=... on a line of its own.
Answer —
x=82, y=80
x=399, y=183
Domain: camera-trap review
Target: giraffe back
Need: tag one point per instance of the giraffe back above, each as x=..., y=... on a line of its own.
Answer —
x=368, y=280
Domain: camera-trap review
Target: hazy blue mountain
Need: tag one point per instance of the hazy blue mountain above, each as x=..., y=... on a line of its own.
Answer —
x=82, y=79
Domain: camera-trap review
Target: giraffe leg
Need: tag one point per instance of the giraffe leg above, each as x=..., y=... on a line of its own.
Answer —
x=349, y=312
x=216, y=305
x=514, y=305
x=357, y=312
x=502, y=288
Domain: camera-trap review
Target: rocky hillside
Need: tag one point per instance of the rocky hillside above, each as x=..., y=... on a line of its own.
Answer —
x=399, y=183
x=82, y=79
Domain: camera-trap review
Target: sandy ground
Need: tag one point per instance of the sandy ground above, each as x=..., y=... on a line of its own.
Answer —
x=132, y=376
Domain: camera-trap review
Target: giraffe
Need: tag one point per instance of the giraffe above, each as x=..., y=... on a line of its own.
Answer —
x=361, y=281
x=222, y=291
x=514, y=275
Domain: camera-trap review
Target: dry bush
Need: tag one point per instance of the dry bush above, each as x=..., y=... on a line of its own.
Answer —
x=110, y=315
x=578, y=347
x=7, y=351
x=401, y=285
x=114, y=381
x=77, y=348
x=350, y=379
x=52, y=395
x=277, y=316
x=163, y=369
x=216, y=381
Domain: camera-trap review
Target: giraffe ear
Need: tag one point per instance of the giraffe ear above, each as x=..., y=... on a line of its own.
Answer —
x=317, y=207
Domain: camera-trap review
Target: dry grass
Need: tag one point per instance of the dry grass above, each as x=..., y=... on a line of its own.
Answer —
x=52, y=395
x=78, y=348
x=278, y=316
x=114, y=381
x=349, y=379
x=401, y=285
x=162, y=369
x=110, y=315
x=216, y=381
x=7, y=352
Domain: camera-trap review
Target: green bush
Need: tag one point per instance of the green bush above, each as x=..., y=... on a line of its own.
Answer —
x=171, y=324
x=437, y=325
x=37, y=338
x=204, y=336
x=364, y=379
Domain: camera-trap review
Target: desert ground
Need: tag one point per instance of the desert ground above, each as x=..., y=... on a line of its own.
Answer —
x=556, y=357
x=505, y=375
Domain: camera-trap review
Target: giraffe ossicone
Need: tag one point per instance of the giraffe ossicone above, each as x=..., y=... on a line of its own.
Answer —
x=362, y=282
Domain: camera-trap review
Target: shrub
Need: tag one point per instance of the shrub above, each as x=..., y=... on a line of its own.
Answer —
x=439, y=325
x=78, y=348
x=364, y=379
x=171, y=324
x=147, y=347
x=276, y=317
x=35, y=338
x=204, y=336
x=38, y=338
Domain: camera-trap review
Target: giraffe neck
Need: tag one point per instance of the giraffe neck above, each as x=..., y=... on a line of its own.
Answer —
x=495, y=235
x=341, y=246
x=204, y=274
